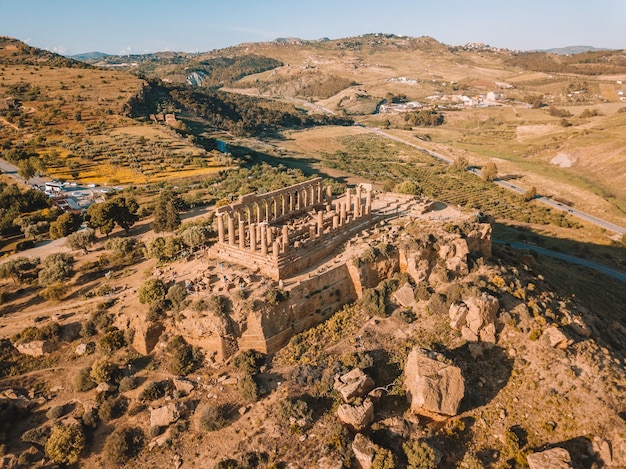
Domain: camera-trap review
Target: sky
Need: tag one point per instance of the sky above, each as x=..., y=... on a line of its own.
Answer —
x=139, y=26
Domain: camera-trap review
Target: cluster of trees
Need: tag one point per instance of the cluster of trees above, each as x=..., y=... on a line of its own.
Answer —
x=586, y=63
x=222, y=71
x=15, y=202
x=121, y=211
x=424, y=118
x=325, y=88
x=239, y=114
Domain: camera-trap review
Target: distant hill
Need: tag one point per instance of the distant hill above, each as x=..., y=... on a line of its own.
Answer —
x=87, y=56
x=14, y=51
x=570, y=50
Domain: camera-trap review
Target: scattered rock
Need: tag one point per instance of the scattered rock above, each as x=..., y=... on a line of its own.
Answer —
x=243, y=410
x=37, y=348
x=364, y=451
x=405, y=295
x=397, y=426
x=432, y=385
x=106, y=388
x=84, y=349
x=183, y=386
x=475, y=318
x=555, y=458
x=358, y=417
x=164, y=416
x=556, y=338
x=353, y=384
x=328, y=463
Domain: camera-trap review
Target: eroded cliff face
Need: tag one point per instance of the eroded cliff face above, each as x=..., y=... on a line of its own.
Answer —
x=433, y=253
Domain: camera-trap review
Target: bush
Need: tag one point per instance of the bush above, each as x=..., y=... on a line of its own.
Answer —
x=57, y=267
x=248, y=388
x=213, y=418
x=151, y=290
x=384, y=459
x=112, y=340
x=419, y=455
x=249, y=361
x=128, y=383
x=112, y=408
x=101, y=371
x=183, y=356
x=151, y=392
x=84, y=382
x=123, y=444
x=65, y=444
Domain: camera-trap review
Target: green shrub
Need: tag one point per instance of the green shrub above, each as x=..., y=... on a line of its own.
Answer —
x=183, y=356
x=123, y=444
x=213, y=417
x=248, y=389
x=419, y=455
x=127, y=383
x=249, y=361
x=102, y=371
x=112, y=340
x=112, y=408
x=384, y=459
x=151, y=290
x=65, y=444
x=84, y=382
x=151, y=392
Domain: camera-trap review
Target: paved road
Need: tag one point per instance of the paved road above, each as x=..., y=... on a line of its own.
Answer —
x=506, y=184
x=566, y=257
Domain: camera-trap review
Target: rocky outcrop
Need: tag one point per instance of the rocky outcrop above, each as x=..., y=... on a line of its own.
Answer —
x=37, y=348
x=183, y=386
x=353, y=384
x=364, y=451
x=164, y=416
x=358, y=417
x=555, y=458
x=405, y=296
x=556, y=338
x=432, y=385
x=476, y=318
x=146, y=336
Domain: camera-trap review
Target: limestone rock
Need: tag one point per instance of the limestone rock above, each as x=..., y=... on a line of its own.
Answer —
x=329, y=463
x=476, y=318
x=106, y=388
x=37, y=348
x=556, y=338
x=353, y=384
x=84, y=349
x=431, y=384
x=364, y=451
x=146, y=335
x=358, y=417
x=164, y=416
x=183, y=386
x=405, y=295
x=555, y=458
x=397, y=426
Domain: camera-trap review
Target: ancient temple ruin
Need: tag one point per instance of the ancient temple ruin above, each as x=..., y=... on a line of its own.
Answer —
x=287, y=231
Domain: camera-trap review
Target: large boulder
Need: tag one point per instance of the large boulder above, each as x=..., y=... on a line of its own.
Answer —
x=364, y=451
x=164, y=416
x=353, y=384
x=37, y=348
x=405, y=296
x=555, y=458
x=432, y=385
x=358, y=417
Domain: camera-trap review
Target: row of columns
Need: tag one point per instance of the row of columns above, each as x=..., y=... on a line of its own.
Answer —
x=259, y=237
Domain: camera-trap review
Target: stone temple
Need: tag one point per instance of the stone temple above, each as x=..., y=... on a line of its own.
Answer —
x=289, y=230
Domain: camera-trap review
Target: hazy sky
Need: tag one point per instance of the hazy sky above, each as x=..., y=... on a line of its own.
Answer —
x=136, y=26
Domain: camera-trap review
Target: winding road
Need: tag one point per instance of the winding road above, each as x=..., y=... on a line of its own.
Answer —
x=565, y=257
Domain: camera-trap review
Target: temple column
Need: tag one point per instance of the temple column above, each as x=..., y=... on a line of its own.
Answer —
x=258, y=212
x=220, y=227
x=231, y=230
x=263, y=238
x=270, y=235
x=335, y=221
x=284, y=203
x=320, y=193
x=276, y=249
x=329, y=198
x=285, y=238
x=267, y=210
x=252, y=230
x=320, y=223
x=342, y=215
x=311, y=232
x=291, y=204
x=357, y=203
x=275, y=208
x=368, y=202
x=242, y=232
x=348, y=201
